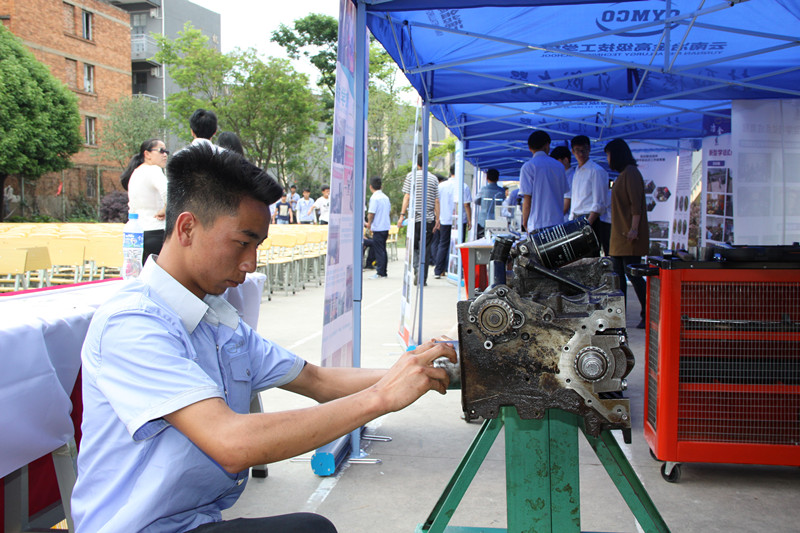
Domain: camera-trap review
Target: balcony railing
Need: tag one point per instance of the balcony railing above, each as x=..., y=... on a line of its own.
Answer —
x=143, y=48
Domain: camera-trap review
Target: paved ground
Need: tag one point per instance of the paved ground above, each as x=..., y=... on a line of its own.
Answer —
x=429, y=439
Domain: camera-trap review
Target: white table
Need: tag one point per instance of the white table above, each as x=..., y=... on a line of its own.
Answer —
x=41, y=334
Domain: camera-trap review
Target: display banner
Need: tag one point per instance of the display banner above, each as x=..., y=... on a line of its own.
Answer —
x=408, y=300
x=454, y=256
x=766, y=144
x=337, y=325
x=679, y=230
x=716, y=205
x=659, y=168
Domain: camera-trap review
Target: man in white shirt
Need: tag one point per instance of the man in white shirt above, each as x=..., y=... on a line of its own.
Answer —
x=590, y=192
x=323, y=206
x=378, y=223
x=542, y=184
x=448, y=213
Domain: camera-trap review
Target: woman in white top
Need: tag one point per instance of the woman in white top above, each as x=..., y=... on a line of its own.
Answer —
x=146, y=184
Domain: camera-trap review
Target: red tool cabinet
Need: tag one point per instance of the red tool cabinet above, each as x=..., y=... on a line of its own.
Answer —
x=723, y=363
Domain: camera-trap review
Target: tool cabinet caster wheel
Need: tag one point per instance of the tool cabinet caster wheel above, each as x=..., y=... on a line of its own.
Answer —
x=653, y=455
x=674, y=475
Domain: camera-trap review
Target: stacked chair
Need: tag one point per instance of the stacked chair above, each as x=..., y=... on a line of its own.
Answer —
x=41, y=255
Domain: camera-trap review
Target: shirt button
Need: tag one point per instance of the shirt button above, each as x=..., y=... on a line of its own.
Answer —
x=248, y=372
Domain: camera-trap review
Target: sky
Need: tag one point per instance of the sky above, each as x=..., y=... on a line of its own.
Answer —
x=249, y=24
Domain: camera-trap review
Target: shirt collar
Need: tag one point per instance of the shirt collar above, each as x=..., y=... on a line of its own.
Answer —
x=191, y=309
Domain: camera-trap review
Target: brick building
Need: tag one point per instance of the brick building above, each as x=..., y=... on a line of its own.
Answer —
x=87, y=45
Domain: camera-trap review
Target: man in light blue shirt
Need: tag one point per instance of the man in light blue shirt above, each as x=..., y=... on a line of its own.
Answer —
x=378, y=223
x=490, y=196
x=293, y=199
x=169, y=370
x=542, y=184
x=304, y=205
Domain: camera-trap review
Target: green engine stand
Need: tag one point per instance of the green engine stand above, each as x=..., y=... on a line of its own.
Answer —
x=542, y=476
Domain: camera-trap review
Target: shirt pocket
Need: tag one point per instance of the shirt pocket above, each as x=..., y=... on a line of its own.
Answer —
x=240, y=383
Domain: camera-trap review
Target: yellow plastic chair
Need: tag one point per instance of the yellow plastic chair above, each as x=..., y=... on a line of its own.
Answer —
x=282, y=262
x=67, y=257
x=104, y=253
x=12, y=269
x=391, y=241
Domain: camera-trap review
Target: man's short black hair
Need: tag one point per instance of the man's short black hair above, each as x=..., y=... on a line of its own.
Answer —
x=538, y=140
x=325, y=188
x=580, y=140
x=493, y=175
x=210, y=183
x=203, y=123
x=376, y=183
x=306, y=189
x=452, y=169
x=419, y=160
x=293, y=186
x=560, y=152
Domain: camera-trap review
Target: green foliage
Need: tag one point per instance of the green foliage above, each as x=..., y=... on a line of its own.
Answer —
x=266, y=103
x=131, y=121
x=82, y=211
x=200, y=70
x=271, y=108
x=448, y=146
x=316, y=37
x=38, y=218
x=39, y=118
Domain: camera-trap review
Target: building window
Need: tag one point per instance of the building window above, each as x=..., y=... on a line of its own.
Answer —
x=91, y=184
x=71, y=71
x=68, y=14
x=88, y=78
x=139, y=23
x=87, y=25
x=90, y=125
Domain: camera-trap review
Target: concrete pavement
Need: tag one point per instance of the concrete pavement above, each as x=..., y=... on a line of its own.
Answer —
x=429, y=439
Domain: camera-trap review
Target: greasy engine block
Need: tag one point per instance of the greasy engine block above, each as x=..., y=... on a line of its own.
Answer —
x=547, y=338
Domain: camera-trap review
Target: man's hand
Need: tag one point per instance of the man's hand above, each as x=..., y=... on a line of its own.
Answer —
x=413, y=375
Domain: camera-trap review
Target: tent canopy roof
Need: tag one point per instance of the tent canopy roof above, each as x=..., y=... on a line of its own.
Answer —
x=646, y=69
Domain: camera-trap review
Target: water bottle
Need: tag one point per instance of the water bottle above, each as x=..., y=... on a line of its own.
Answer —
x=132, y=247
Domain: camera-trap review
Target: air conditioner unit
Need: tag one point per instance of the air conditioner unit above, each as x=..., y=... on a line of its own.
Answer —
x=154, y=13
x=156, y=72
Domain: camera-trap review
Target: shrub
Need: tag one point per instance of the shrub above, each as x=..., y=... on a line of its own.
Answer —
x=114, y=207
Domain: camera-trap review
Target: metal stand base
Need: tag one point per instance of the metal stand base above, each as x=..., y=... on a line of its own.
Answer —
x=542, y=476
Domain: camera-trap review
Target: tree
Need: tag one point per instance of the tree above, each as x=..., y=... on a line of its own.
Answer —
x=39, y=118
x=266, y=103
x=321, y=33
x=316, y=36
x=131, y=121
x=200, y=70
x=271, y=108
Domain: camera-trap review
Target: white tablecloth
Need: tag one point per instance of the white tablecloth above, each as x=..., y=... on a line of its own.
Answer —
x=41, y=335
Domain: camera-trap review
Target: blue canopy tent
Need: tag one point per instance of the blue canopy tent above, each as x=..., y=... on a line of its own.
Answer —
x=492, y=71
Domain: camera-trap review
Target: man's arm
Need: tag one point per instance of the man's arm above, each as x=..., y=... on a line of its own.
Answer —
x=468, y=209
x=403, y=209
x=436, y=223
x=370, y=218
x=353, y=397
x=526, y=211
